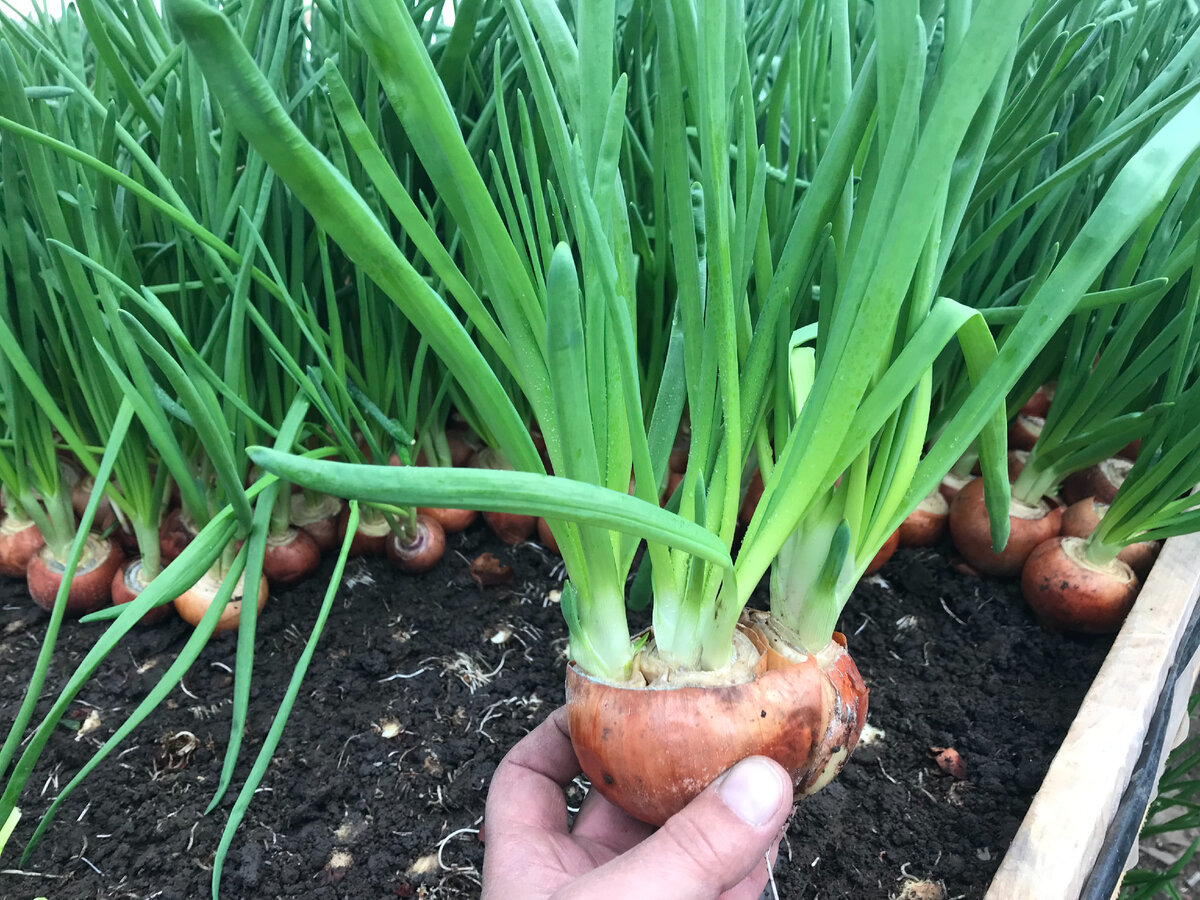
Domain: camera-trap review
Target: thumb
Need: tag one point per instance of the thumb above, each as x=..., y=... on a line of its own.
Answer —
x=708, y=847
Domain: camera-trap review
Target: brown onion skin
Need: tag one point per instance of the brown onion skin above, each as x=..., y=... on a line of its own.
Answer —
x=1039, y=403
x=461, y=450
x=546, y=536
x=1016, y=463
x=677, y=461
x=423, y=552
x=81, y=492
x=1090, y=482
x=90, y=589
x=972, y=533
x=650, y=752
x=192, y=605
x=1131, y=450
x=1080, y=520
x=754, y=492
x=1066, y=596
x=924, y=527
x=18, y=548
x=885, y=553
x=951, y=485
x=292, y=559
x=174, y=534
x=324, y=532
x=362, y=544
x=1024, y=431
x=674, y=479
x=451, y=520
x=512, y=528
x=125, y=590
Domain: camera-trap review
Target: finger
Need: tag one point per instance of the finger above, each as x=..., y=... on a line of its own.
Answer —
x=526, y=790
x=707, y=848
x=751, y=887
x=608, y=825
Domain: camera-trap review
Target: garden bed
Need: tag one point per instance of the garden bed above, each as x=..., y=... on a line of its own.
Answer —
x=350, y=809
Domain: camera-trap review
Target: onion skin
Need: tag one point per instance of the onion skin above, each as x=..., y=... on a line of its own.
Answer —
x=1039, y=403
x=512, y=528
x=1080, y=520
x=546, y=536
x=754, y=492
x=651, y=751
x=81, y=492
x=126, y=585
x=885, y=553
x=193, y=603
x=1067, y=595
x=925, y=525
x=1131, y=450
x=20, y=541
x=319, y=521
x=423, y=552
x=1101, y=481
x=1016, y=463
x=174, y=535
x=1024, y=431
x=290, y=557
x=972, y=533
x=91, y=586
x=451, y=520
x=461, y=450
x=674, y=480
x=369, y=540
x=951, y=485
x=677, y=461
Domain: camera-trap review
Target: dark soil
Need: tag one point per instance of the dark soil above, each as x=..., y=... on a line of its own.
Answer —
x=419, y=686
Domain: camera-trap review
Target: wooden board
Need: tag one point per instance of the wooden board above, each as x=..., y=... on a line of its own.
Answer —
x=1058, y=842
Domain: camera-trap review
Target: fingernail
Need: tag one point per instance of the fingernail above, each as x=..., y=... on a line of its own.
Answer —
x=753, y=790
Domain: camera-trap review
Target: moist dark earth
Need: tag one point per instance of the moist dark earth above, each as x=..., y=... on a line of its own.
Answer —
x=420, y=684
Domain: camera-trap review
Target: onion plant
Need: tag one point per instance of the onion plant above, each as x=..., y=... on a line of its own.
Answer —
x=583, y=343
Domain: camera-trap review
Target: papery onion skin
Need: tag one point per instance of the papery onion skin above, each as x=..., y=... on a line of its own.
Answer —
x=174, y=535
x=1039, y=403
x=925, y=525
x=371, y=537
x=319, y=521
x=972, y=533
x=1024, y=431
x=885, y=553
x=650, y=751
x=81, y=492
x=18, y=545
x=290, y=557
x=424, y=551
x=451, y=520
x=126, y=587
x=193, y=603
x=91, y=586
x=754, y=492
x=1066, y=595
x=1080, y=520
x=1101, y=481
x=951, y=485
x=512, y=528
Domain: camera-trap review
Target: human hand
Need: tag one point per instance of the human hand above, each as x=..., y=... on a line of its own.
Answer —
x=713, y=848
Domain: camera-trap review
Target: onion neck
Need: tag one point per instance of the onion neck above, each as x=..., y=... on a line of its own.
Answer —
x=1099, y=553
x=149, y=547
x=811, y=581
x=1035, y=481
